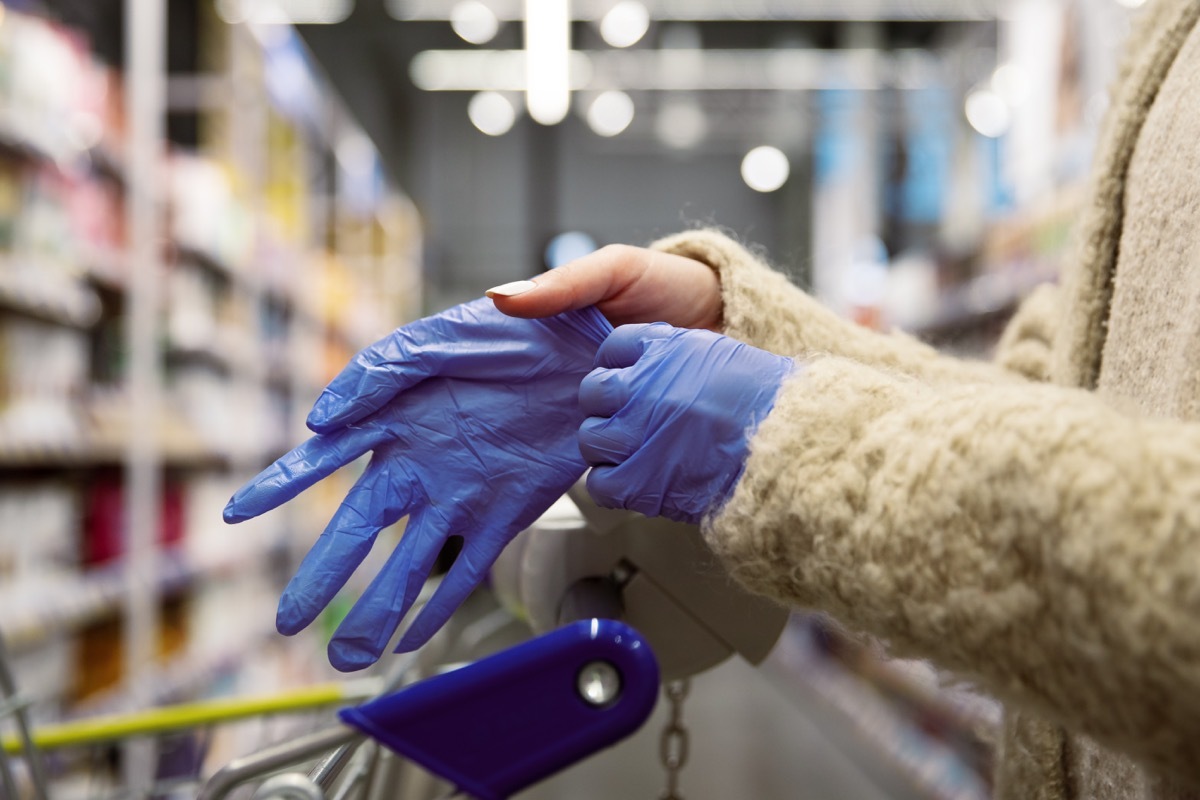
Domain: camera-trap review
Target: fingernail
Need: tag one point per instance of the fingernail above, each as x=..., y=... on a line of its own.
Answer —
x=511, y=289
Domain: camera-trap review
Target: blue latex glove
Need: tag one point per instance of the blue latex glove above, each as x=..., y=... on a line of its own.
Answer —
x=671, y=413
x=472, y=419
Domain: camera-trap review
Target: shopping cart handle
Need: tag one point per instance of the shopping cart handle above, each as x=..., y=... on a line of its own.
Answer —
x=512, y=719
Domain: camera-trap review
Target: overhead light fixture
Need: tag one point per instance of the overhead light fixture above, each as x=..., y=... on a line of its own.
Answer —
x=765, y=168
x=610, y=113
x=625, y=23
x=1011, y=82
x=297, y=12
x=474, y=22
x=491, y=113
x=547, y=53
x=743, y=10
x=987, y=113
x=568, y=246
x=484, y=70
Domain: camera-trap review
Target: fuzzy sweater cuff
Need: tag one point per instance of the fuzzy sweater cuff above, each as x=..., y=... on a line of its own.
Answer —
x=1021, y=535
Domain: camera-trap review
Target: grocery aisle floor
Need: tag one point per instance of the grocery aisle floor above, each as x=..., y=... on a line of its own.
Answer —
x=748, y=740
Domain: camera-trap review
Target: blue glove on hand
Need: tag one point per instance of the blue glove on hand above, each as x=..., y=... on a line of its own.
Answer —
x=670, y=416
x=472, y=419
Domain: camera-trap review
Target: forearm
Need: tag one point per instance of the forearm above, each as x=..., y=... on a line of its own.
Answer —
x=1027, y=536
x=764, y=309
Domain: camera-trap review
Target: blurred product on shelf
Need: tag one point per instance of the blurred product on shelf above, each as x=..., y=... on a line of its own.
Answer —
x=104, y=524
x=271, y=276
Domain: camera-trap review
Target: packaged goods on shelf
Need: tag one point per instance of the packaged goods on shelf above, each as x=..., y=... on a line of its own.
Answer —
x=44, y=88
x=230, y=618
x=245, y=338
x=38, y=561
x=234, y=417
x=207, y=218
x=41, y=672
x=104, y=525
x=217, y=548
x=43, y=377
x=38, y=521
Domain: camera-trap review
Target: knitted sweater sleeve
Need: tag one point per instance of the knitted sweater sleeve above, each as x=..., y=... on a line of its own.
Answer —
x=763, y=308
x=1027, y=536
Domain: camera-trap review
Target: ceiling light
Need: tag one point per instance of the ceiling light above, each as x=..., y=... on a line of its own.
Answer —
x=474, y=22
x=1011, y=82
x=568, y=246
x=492, y=113
x=610, y=113
x=625, y=23
x=988, y=113
x=547, y=55
x=765, y=168
x=299, y=12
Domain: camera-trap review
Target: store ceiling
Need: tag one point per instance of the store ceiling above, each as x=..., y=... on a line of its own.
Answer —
x=768, y=49
x=369, y=55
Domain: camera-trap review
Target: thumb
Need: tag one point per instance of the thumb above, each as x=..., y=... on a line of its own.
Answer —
x=573, y=286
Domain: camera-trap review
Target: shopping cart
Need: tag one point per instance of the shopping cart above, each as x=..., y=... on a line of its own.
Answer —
x=519, y=710
x=485, y=729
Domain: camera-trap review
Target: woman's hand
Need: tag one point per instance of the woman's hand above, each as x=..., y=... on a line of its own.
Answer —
x=670, y=414
x=628, y=285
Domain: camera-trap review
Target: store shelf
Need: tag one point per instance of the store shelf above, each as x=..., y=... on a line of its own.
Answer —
x=69, y=603
x=209, y=356
x=106, y=160
x=234, y=346
x=101, y=441
x=17, y=144
x=184, y=676
x=75, y=305
x=178, y=444
x=188, y=254
x=107, y=269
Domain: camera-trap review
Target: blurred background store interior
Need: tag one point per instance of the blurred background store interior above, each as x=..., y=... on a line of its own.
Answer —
x=207, y=206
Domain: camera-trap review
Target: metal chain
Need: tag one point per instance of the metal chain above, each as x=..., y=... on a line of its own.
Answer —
x=673, y=745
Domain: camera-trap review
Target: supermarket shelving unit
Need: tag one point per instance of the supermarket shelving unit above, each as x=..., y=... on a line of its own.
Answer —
x=166, y=317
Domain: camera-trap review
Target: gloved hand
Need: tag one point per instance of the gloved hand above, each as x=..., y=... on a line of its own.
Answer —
x=670, y=416
x=472, y=419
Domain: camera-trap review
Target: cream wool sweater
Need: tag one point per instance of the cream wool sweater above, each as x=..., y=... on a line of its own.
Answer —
x=1041, y=539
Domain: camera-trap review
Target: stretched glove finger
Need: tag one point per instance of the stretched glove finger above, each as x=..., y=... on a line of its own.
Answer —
x=606, y=441
x=375, y=375
x=467, y=572
x=603, y=392
x=366, y=630
x=292, y=473
x=379, y=498
x=627, y=343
